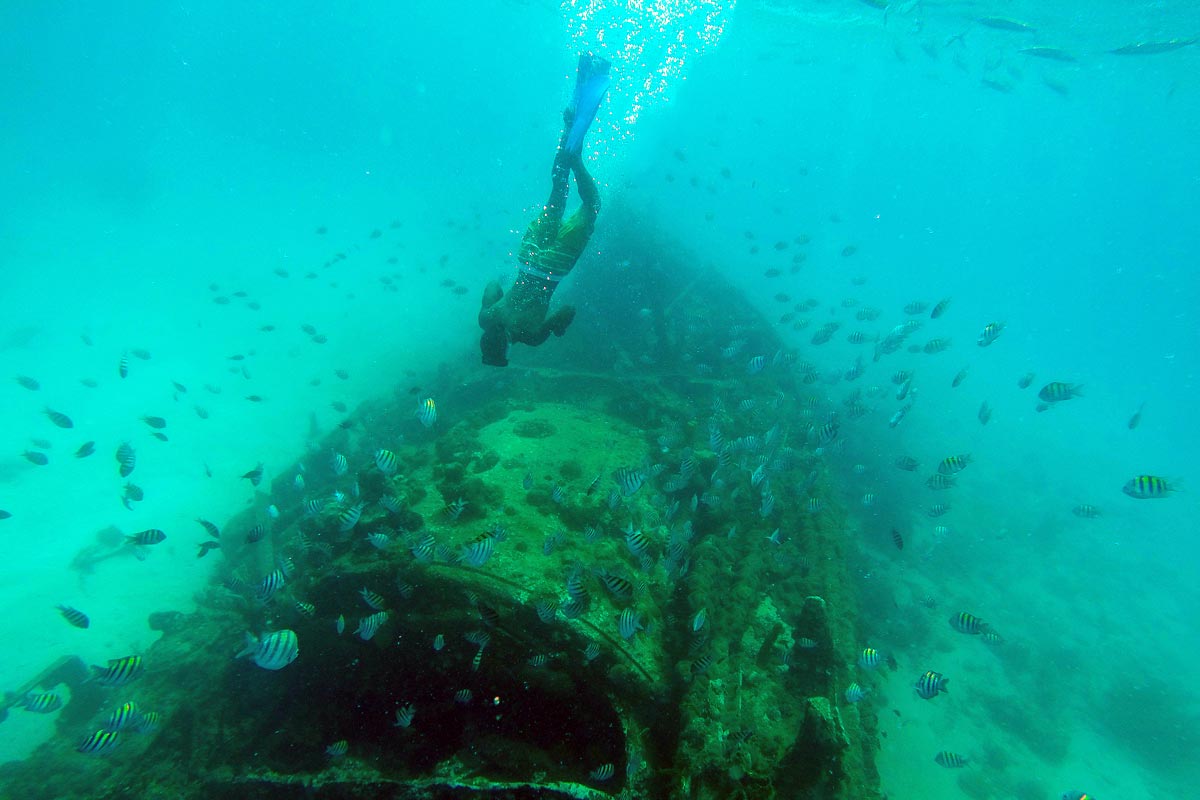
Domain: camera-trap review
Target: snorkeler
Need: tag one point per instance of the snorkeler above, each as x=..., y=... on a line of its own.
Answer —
x=551, y=246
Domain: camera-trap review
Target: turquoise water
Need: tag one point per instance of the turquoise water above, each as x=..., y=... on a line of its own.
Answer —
x=153, y=153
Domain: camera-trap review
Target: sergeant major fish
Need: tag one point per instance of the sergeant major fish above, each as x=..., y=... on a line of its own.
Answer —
x=990, y=333
x=1057, y=391
x=119, y=671
x=274, y=651
x=950, y=760
x=1146, y=487
x=930, y=684
x=427, y=412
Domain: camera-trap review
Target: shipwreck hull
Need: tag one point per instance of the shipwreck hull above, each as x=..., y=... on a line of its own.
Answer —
x=524, y=458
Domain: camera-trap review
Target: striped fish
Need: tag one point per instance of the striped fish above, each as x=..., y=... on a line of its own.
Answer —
x=373, y=599
x=628, y=480
x=58, y=418
x=349, y=517
x=546, y=610
x=936, y=345
x=404, y=716
x=209, y=528
x=628, y=623
x=940, y=481
x=476, y=553
x=938, y=509
x=990, y=333
x=271, y=584
x=119, y=671
x=274, y=651
x=126, y=459
x=148, y=722
x=122, y=717
x=930, y=684
x=576, y=589
x=1145, y=487
x=1057, y=391
x=964, y=622
x=637, y=541
x=339, y=465
x=427, y=412
x=147, y=537
x=100, y=743
x=869, y=658
x=480, y=639
x=950, y=760
x=75, y=616
x=605, y=771
x=425, y=548
x=338, y=749
x=854, y=693
x=952, y=465
x=42, y=702
x=897, y=539
x=1086, y=511
x=824, y=434
x=369, y=626
x=620, y=587
x=386, y=461
x=940, y=308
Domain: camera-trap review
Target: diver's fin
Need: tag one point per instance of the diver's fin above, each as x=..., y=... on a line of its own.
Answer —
x=591, y=82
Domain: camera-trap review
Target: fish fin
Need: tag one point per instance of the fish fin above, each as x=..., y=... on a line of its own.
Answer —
x=251, y=644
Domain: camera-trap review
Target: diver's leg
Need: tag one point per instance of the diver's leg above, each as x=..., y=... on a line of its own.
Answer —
x=560, y=173
x=556, y=323
x=587, y=190
x=542, y=231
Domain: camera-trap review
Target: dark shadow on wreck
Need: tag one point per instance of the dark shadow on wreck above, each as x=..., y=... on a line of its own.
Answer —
x=560, y=704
